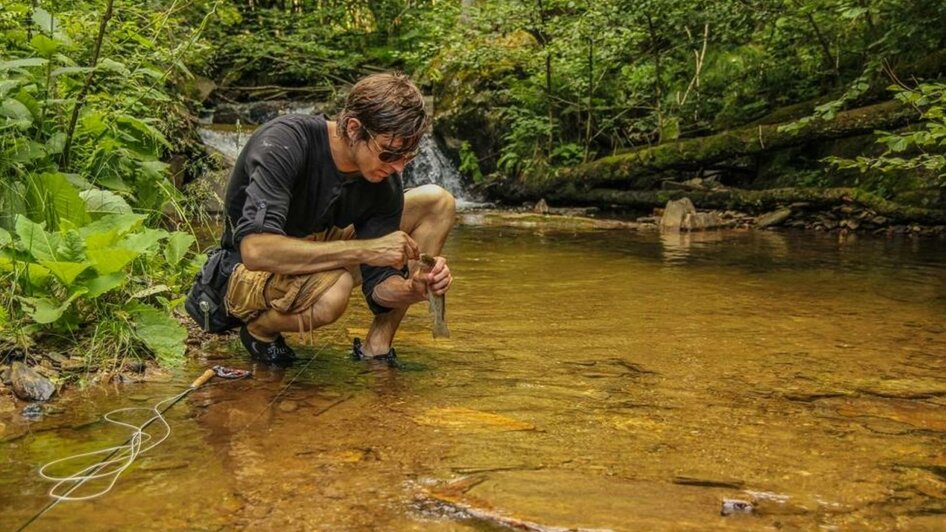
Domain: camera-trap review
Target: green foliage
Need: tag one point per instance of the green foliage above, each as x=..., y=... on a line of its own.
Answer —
x=613, y=74
x=919, y=152
x=78, y=238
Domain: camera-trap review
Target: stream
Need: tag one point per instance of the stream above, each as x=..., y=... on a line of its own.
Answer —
x=594, y=379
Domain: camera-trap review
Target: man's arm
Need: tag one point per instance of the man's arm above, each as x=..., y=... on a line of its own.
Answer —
x=396, y=291
x=287, y=255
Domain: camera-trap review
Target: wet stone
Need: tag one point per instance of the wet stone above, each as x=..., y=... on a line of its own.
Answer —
x=773, y=218
x=30, y=385
x=56, y=358
x=905, y=388
x=33, y=411
x=135, y=366
x=735, y=506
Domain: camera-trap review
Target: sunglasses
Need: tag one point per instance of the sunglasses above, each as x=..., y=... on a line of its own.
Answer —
x=386, y=155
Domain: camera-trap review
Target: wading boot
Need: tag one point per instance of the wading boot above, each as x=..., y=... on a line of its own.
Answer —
x=276, y=352
x=358, y=353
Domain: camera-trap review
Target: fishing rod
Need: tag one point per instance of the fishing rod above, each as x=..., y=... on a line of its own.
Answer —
x=132, y=446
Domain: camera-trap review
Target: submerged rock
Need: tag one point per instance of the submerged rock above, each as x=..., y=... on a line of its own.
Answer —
x=460, y=418
x=735, y=506
x=29, y=385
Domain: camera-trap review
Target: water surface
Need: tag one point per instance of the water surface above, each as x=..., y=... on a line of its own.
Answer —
x=599, y=379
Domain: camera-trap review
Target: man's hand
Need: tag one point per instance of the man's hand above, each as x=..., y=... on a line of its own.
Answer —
x=437, y=279
x=394, y=250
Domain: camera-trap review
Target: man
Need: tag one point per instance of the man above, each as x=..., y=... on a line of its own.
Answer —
x=315, y=206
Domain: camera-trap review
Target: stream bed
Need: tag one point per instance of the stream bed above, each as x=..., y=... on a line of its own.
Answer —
x=594, y=379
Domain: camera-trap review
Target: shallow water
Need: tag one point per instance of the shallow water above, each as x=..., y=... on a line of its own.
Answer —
x=598, y=379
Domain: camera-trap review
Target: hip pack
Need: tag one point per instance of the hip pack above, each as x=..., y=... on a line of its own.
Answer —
x=205, y=301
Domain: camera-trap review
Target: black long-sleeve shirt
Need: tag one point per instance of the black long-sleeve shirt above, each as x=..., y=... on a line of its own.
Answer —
x=285, y=182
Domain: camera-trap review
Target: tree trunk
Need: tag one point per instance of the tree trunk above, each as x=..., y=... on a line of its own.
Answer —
x=626, y=170
x=80, y=99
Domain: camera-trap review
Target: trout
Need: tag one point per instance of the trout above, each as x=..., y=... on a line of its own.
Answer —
x=436, y=305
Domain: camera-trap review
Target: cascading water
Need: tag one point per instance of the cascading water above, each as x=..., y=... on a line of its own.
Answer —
x=430, y=165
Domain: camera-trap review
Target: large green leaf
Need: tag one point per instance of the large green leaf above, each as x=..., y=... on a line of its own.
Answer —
x=15, y=109
x=35, y=240
x=44, y=20
x=44, y=310
x=65, y=271
x=101, y=284
x=54, y=146
x=71, y=246
x=161, y=333
x=141, y=137
x=111, y=259
x=143, y=241
x=15, y=115
x=65, y=71
x=23, y=63
x=99, y=202
x=7, y=86
x=26, y=151
x=115, y=224
x=44, y=45
x=178, y=245
x=58, y=194
x=37, y=274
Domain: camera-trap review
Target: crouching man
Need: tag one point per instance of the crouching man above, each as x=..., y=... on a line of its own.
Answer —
x=315, y=206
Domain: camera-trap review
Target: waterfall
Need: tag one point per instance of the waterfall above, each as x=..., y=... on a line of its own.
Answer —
x=430, y=165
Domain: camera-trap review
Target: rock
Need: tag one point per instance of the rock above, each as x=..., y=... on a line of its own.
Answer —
x=674, y=214
x=699, y=221
x=288, y=406
x=135, y=366
x=74, y=364
x=773, y=218
x=5, y=375
x=850, y=224
x=735, y=506
x=56, y=358
x=30, y=385
x=541, y=207
x=32, y=411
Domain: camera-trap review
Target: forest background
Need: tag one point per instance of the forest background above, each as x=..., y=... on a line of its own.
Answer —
x=582, y=101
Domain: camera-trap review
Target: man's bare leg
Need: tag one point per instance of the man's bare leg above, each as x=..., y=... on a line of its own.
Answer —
x=327, y=309
x=429, y=214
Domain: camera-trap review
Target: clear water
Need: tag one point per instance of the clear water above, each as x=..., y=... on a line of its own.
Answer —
x=595, y=379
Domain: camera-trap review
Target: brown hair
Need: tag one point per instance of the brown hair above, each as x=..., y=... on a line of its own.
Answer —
x=386, y=103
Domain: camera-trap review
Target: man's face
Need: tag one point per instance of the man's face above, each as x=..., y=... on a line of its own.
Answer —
x=380, y=156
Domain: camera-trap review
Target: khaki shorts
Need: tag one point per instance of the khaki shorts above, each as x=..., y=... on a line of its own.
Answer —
x=250, y=293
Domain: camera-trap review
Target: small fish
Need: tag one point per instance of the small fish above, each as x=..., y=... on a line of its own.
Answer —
x=436, y=305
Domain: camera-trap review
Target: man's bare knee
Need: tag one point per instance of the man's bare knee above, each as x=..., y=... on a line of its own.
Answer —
x=428, y=204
